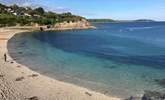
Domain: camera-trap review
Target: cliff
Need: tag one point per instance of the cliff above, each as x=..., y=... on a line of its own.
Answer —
x=83, y=24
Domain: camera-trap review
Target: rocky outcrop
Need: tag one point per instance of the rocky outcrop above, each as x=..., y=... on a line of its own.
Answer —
x=160, y=82
x=83, y=24
x=149, y=95
x=153, y=95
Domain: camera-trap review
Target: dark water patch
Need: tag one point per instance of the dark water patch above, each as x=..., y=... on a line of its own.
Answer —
x=150, y=61
x=110, y=66
x=160, y=82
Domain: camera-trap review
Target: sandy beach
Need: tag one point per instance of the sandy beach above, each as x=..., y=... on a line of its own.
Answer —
x=18, y=82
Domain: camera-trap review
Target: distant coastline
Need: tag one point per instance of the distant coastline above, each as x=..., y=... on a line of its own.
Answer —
x=101, y=20
x=117, y=21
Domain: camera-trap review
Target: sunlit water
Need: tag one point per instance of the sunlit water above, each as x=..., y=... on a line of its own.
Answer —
x=120, y=59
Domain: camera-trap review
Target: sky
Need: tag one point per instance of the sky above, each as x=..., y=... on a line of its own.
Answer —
x=114, y=9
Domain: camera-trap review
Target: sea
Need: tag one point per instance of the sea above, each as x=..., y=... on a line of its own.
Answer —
x=119, y=59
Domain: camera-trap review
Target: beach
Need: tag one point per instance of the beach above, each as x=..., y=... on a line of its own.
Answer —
x=18, y=82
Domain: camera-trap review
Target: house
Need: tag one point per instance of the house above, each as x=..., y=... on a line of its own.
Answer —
x=9, y=9
x=35, y=15
x=14, y=13
x=26, y=14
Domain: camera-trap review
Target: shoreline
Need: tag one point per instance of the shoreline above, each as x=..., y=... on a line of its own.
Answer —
x=18, y=82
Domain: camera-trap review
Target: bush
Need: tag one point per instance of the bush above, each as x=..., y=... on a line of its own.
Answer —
x=7, y=20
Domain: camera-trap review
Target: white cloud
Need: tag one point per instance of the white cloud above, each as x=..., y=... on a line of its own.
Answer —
x=26, y=4
x=61, y=9
x=57, y=9
x=11, y=2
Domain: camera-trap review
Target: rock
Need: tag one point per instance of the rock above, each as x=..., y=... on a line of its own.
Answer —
x=33, y=98
x=1, y=75
x=33, y=75
x=105, y=92
x=130, y=98
x=161, y=82
x=19, y=79
x=87, y=93
x=20, y=52
x=18, y=66
x=153, y=95
x=41, y=29
x=48, y=26
x=133, y=98
x=110, y=67
x=11, y=62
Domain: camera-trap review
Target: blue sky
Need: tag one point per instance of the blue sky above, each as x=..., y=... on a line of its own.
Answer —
x=115, y=9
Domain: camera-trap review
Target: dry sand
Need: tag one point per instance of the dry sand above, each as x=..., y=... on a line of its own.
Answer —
x=18, y=82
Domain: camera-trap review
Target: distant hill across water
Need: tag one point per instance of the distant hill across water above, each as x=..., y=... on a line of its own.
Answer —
x=111, y=20
x=144, y=20
x=101, y=20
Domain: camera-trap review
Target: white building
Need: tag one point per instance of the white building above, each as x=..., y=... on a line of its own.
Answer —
x=27, y=15
x=15, y=13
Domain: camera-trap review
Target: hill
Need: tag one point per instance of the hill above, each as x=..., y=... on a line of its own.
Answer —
x=15, y=15
x=144, y=20
x=101, y=20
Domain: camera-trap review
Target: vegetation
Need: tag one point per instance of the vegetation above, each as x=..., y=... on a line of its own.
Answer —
x=14, y=15
x=7, y=19
x=111, y=20
x=144, y=20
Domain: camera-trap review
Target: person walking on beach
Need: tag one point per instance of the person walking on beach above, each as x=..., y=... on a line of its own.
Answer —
x=5, y=57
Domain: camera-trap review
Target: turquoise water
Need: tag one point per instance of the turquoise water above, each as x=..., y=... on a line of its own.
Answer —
x=120, y=59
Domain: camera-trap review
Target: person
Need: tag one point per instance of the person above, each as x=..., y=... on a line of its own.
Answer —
x=41, y=29
x=5, y=57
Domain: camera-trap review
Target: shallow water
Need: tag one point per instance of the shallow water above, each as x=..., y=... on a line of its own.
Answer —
x=120, y=59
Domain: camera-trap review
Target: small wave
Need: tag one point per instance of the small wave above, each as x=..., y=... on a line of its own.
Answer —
x=138, y=28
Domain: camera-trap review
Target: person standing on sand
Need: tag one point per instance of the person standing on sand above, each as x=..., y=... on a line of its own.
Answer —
x=5, y=57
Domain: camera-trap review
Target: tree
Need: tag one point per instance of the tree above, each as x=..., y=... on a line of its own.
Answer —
x=7, y=20
x=39, y=10
x=31, y=12
x=68, y=14
x=14, y=7
x=21, y=9
x=51, y=15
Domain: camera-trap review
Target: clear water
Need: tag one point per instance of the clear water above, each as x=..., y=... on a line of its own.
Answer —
x=120, y=59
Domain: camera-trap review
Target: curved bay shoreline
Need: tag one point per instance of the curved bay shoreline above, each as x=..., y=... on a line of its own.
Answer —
x=18, y=82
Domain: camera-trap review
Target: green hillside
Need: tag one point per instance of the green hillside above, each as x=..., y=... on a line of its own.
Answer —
x=13, y=15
